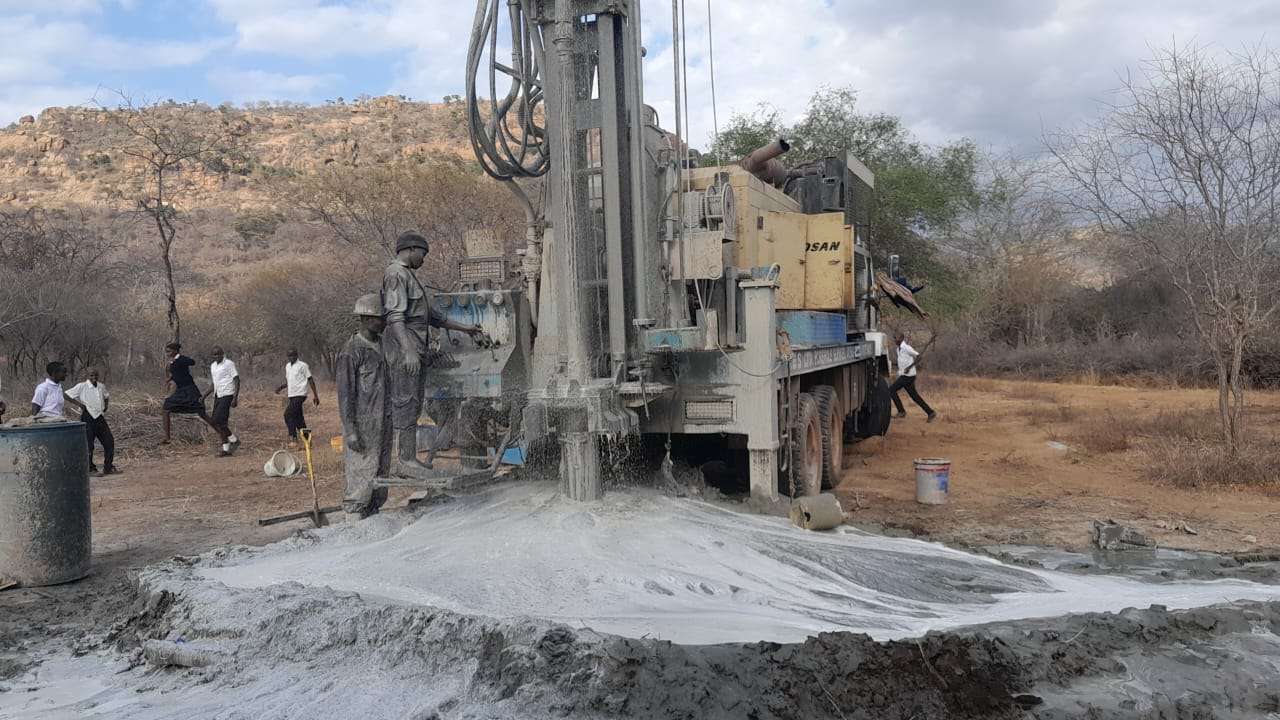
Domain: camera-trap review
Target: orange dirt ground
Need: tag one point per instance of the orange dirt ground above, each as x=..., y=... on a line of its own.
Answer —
x=1008, y=484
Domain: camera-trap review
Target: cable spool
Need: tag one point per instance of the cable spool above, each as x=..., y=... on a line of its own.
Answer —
x=718, y=209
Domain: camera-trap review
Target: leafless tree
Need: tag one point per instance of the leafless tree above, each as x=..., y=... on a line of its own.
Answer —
x=1017, y=244
x=58, y=269
x=1184, y=167
x=175, y=148
x=368, y=206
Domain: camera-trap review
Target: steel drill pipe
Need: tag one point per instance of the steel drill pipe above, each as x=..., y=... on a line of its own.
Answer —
x=763, y=164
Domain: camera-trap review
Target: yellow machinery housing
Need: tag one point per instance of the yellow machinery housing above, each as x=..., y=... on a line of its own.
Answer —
x=815, y=252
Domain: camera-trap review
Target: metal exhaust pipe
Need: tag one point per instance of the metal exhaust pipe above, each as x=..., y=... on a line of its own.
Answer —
x=763, y=163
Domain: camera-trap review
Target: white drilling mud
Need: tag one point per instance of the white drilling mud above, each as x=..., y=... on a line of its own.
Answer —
x=473, y=609
x=643, y=565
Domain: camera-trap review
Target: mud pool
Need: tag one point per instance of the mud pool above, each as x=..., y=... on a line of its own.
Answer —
x=643, y=565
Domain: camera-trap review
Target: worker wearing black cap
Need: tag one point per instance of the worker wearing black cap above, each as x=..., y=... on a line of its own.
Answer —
x=409, y=315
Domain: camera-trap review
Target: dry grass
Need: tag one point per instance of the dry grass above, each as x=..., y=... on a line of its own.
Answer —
x=1030, y=392
x=1186, y=426
x=1103, y=433
x=1013, y=460
x=958, y=384
x=1198, y=463
x=1040, y=415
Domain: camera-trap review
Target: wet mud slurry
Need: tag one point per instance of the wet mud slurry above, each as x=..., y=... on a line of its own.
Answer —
x=512, y=604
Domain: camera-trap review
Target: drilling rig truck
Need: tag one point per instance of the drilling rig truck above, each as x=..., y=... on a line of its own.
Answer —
x=729, y=307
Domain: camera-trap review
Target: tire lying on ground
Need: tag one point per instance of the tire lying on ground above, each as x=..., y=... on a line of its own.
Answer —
x=831, y=421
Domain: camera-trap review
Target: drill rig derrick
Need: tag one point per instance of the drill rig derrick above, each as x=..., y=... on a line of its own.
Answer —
x=659, y=291
x=576, y=68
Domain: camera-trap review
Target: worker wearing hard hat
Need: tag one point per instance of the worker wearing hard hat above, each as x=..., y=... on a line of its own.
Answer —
x=365, y=411
x=409, y=314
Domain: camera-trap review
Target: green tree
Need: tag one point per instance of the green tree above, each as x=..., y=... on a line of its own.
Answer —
x=920, y=189
x=744, y=133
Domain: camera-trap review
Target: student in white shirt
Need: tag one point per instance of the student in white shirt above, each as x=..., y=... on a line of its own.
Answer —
x=93, y=399
x=225, y=388
x=48, y=400
x=297, y=380
x=907, y=359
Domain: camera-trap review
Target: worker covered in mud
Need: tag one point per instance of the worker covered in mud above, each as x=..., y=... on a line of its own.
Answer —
x=409, y=314
x=365, y=411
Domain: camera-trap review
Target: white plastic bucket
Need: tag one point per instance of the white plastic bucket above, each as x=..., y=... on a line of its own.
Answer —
x=933, y=480
x=281, y=464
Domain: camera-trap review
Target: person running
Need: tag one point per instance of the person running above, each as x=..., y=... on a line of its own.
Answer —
x=93, y=399
x=297, y=379
x=185, y=398
x=907, y=360
x=225, y=388
x=49, y=399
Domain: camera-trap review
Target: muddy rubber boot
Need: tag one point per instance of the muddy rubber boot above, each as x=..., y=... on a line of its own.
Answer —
x=404, y=457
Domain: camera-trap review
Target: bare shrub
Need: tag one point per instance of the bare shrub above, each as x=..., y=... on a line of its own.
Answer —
x=1104, y=433
x=1192, y=426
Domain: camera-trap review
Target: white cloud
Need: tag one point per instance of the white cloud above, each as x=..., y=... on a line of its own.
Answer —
x=315, y=30
x=992, y=70
x=243, y=85
x=426, y=38
x=31, y=49
x=60, y=61
x=51, y=7
x=62, y=7
x=24, y=99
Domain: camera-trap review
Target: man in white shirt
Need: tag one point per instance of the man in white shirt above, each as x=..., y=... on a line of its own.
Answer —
x=297, y=380
x=93, y=399
x=907, y=359
x=225, y=388
x=48, y=400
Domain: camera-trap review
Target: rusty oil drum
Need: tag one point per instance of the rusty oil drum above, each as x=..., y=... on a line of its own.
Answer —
x=45, y=527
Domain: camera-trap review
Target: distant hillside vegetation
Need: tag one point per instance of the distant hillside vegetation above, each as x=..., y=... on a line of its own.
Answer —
x=64, y=156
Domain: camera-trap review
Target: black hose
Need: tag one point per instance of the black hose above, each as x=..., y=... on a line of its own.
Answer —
x=506, y=136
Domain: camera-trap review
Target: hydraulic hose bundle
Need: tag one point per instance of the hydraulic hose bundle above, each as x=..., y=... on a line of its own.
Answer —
x=505, y=132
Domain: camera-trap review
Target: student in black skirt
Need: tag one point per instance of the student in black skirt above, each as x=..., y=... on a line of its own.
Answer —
x=186, y=398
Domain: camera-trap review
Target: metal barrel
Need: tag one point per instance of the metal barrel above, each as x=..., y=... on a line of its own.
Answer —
x=933, y=480
x=45, y=526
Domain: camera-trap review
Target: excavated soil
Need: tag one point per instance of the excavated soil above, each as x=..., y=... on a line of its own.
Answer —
x=304, y=646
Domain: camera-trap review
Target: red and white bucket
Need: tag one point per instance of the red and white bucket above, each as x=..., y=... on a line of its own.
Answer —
x=933, y=480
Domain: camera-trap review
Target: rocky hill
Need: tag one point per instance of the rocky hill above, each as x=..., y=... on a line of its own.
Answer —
x=65, y=156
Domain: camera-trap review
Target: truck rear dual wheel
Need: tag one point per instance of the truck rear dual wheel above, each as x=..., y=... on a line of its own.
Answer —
x=831, y=420
x=805, y=474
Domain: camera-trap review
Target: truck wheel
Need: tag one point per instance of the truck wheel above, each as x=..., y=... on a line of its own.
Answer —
x=875, y=414
x=831, y=420
x=805, y=476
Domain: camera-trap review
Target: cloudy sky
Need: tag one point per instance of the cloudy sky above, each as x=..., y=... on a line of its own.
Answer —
x=996, y=71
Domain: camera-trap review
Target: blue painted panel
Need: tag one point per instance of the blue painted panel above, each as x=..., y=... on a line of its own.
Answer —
x=811, y=328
